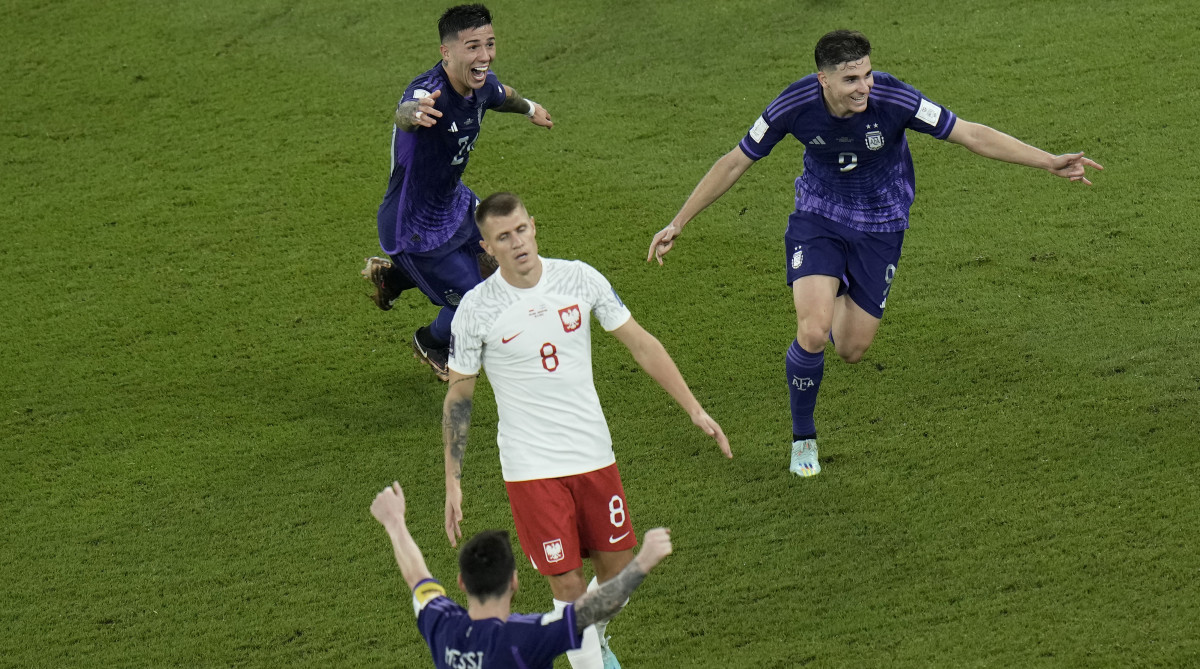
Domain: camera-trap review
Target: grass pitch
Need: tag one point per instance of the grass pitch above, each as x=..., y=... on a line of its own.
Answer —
x=199, y=402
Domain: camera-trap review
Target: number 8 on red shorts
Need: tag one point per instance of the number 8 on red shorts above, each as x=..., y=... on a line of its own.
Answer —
x=561, y=520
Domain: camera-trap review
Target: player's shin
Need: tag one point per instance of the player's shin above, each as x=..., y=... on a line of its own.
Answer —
x=439, y=330
x=804, y=372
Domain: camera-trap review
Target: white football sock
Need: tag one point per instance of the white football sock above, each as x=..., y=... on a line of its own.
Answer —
x=587, y=656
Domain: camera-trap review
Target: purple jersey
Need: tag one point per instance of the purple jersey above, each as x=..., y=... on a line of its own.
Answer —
x=524, y=641
x=857, y=170
x=426, y=202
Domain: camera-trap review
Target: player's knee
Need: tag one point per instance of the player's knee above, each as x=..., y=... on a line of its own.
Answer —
x=851, y=352
x=812, y=338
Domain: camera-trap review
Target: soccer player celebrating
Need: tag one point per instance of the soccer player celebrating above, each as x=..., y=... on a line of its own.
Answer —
x=487, y=635
x=528, y=326
x=842, y=244
x=426, y=221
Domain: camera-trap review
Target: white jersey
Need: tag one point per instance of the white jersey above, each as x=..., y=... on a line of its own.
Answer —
x=535, y=345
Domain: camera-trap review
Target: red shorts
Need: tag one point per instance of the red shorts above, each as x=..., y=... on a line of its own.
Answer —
x=560, y=521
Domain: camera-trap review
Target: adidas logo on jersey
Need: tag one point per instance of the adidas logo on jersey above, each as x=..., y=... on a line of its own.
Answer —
x=453, y=127
x=817, y=140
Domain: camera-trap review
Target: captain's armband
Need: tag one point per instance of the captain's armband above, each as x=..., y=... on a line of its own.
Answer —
x=425, y=592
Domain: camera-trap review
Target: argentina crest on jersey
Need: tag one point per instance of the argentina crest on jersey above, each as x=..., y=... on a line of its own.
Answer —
x=874, y=140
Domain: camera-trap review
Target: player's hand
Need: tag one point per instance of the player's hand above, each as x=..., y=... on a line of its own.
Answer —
x=453, y=514
x=541, y=116
x=662, y=243
x=1073, y=166
x=388, y=507
x=702, y=420
x=656, y=545
x=425, y=115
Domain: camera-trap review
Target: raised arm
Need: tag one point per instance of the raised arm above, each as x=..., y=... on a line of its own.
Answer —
x=604, y=602
x=388, y=509
x=720, y=178
x=991, y=143
x=514, y=103
x=650, y=354
x=456, y=420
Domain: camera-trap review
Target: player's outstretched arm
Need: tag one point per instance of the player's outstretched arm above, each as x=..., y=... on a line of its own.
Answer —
x=418, y=113
x=456, y=421
x=514, y=103
x=604, y=602
x=388, y=509
x=991, y=143
x=649, y=352
x=720, y=178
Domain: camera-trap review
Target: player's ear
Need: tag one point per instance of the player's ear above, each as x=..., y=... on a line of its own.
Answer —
x=515, y=582
x=461, y=585
x=445, y=52
x=484, y=245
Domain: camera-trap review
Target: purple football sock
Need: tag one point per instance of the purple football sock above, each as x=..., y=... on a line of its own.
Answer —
x=804, y=372
x=439, y=329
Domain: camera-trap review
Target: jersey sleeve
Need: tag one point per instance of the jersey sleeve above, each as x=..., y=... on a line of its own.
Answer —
x=419, y=88
x=606, y=304
x=774, y=123
x=433, y=608
x=910, y=106
x=496, y=94
x=541, y=638
x=466, y=341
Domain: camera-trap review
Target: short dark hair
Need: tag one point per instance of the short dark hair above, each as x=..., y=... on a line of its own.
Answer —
x=486, y=564
x=462, y=17
x=497, y=204
x=841, y=46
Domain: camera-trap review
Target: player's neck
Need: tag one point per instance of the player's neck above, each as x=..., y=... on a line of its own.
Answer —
x=496, y=607
x=527, y=279
x=461, y=88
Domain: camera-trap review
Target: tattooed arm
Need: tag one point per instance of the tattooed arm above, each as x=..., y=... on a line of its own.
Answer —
x=456, y=420
x=514, y=103
x=604, y=602
x=418, y=113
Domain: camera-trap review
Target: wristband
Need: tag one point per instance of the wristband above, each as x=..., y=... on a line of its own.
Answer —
x=532, y=107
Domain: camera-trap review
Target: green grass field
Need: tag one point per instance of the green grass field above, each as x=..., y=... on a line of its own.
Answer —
x=199, y=401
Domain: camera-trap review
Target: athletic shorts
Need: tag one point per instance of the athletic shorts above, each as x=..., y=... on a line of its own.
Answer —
x=864, y=261
x=560, y=521
x=446, y=273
